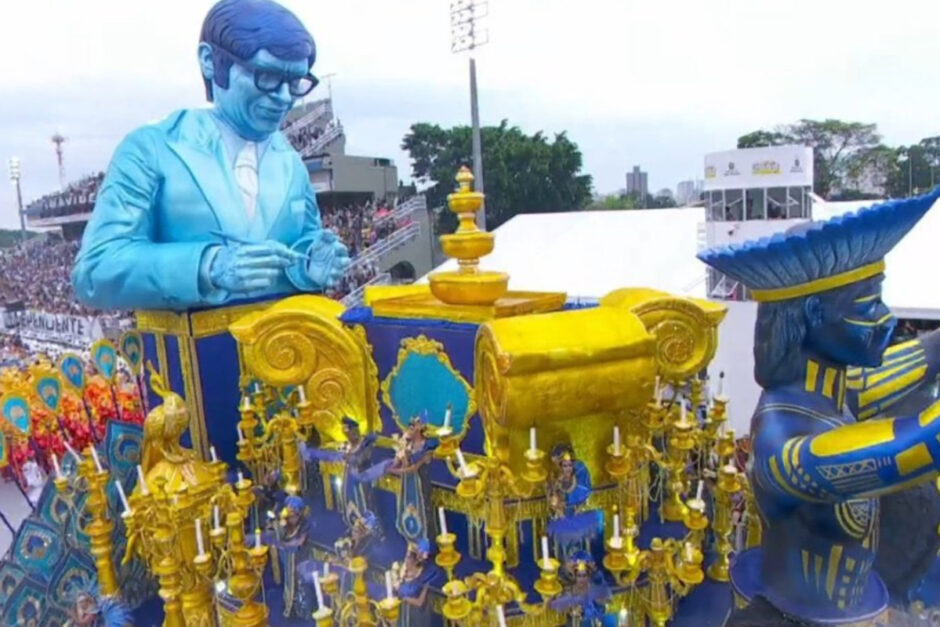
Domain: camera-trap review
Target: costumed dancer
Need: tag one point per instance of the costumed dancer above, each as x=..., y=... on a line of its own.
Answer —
x=411, y=579
x=90, y=609
x=820, y=464
x=355, y=493
x=586, y=592
x=568, y=489
x=412, y=464
x=293, y=535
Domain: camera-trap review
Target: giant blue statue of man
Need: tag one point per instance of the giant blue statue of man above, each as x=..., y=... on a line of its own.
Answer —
x=839, y=425
x=214, y=205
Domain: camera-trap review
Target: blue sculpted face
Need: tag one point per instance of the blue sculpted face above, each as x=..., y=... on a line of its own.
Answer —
x=253, y=113
x=850, y=326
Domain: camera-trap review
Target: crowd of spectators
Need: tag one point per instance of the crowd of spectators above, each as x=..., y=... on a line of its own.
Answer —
x=36, y=275
x=910, y=329
x=362, y=225
x=303, y=138
x=79, y=197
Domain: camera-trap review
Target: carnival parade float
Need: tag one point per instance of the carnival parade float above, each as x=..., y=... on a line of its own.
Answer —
x=462, y=452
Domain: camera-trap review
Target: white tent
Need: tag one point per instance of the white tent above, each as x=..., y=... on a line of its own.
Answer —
x=590, y=253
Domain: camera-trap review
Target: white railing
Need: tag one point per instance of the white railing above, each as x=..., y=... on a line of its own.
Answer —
x=701, y=236
x=321, y=108
x=322, y=142
x=694, y=284
x=399, y=238
x=416, y=203
x=355, y=297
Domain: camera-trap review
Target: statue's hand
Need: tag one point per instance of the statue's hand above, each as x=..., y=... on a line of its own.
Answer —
x=329, y=259
x=250, y=267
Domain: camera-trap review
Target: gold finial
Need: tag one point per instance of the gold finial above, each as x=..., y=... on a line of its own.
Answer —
x=469, y=285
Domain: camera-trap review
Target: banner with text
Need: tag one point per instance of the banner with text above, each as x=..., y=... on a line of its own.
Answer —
x=63, y=328
x=775, y=166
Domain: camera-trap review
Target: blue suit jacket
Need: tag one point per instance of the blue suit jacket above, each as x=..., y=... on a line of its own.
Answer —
x=167, y=187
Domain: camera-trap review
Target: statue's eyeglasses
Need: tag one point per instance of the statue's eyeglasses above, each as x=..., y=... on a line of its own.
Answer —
x=269, y=80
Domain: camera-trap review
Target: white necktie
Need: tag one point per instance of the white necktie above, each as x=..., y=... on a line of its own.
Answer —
x=246, y=175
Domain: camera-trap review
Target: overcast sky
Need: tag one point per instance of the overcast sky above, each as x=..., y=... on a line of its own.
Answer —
x=651, y=82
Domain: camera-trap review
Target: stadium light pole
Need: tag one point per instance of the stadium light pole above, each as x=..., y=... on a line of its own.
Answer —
x=910, y=172
x=15, y=174
x=466, y=36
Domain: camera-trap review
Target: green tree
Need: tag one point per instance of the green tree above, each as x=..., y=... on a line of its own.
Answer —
x=522, y=173
x=836, y=147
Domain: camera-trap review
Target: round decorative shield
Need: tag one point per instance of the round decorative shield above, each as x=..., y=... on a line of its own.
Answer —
x=15, y=410
x=72, y=369
x=104, y=356
x=132, y=350
x=49, y=390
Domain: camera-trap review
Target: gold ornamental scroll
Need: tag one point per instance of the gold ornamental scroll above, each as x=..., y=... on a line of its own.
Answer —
x=570, y=374
x=686, y=329
x=301, y=341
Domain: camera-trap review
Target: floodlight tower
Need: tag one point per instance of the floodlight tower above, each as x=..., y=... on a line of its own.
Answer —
x=58, y=140
x=467, y=36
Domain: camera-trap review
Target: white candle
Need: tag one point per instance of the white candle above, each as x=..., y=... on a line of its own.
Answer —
x=94, y=456
x=71, y=451
x=200, y=547
x=447, y=418
x=464, y=470
x=501, y=616
x=616, y=526
x=682, y=410
x=141, y=481
x=326, y=569
x=659, y=392
x=440, y=514
x=656, y=391
x=624, y=616
x=120, y=489
x=616, y=440
x=241, y=477
x=698, y=492
x=246, y=403
x=215, y=516
x=257, y=387
x=212, y=454
x=545, y=559
x=688, y=552
x=316, y=586
x=55, y=464
x=388, y=584
x=532, y=443
x=257, y=538
x=302, y=393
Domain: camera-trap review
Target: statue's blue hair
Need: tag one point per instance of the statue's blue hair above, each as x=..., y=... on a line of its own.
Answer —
x=778, y=341
x=241, y=28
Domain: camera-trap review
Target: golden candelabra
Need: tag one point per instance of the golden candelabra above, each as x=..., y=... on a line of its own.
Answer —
x=92, y=478
x=728, y=484
x=274, y=446
x=355, y=607
x=167, y=529
x=488, y=483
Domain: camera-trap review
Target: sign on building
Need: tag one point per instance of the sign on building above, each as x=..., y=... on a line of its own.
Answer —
x=775, y=166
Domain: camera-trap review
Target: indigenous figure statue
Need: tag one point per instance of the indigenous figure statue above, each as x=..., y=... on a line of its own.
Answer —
x=819, y=463
x=414, y=498
x=213, y=205
x=411, y=579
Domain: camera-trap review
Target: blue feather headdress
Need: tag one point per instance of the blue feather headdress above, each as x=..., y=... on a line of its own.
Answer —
x=820, y=256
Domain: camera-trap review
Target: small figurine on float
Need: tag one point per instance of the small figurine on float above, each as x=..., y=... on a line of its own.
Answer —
x=414, y=497
x=90, y=609
x=292, y=537
x=411, y=580
x=586, y=592
x=831, y=435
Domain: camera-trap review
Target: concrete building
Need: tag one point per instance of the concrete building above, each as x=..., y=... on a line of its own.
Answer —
x=637, y=183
